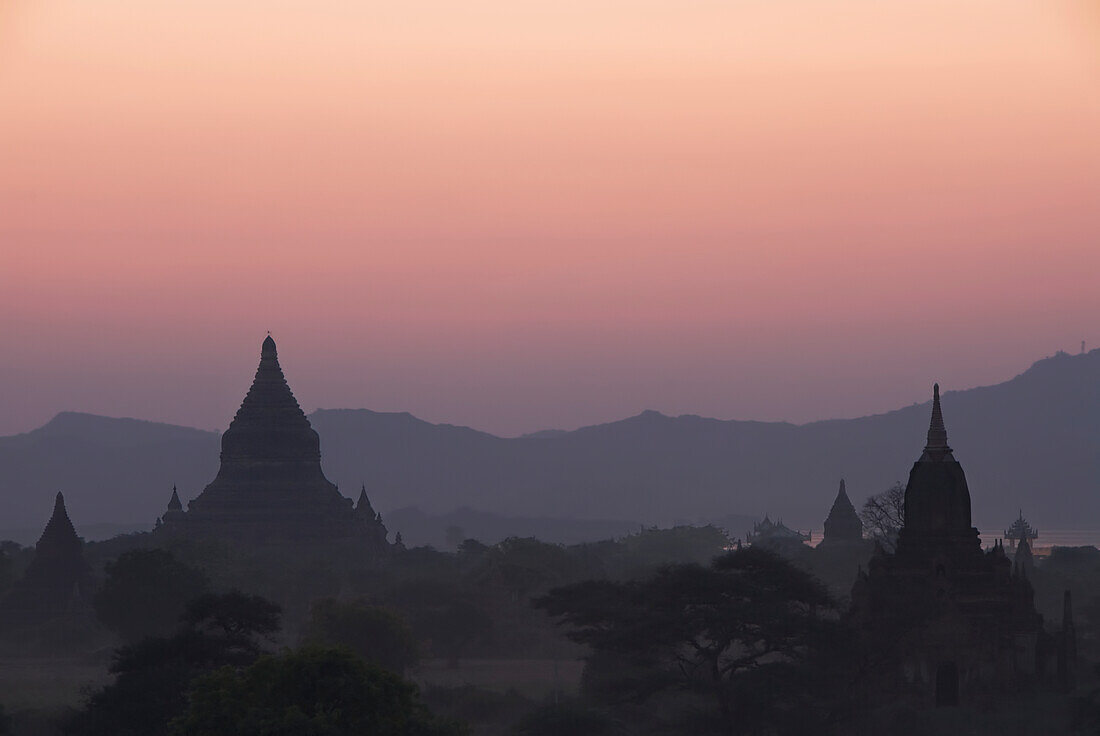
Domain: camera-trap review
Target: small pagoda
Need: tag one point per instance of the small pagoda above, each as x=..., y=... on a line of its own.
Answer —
x=58, y=579
x=843, y=524
x=1021, y=531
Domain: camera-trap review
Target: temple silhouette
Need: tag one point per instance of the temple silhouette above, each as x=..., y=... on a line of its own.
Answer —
x=58, y=580
x=842, y=525
x=270, y=486
x=945, y=621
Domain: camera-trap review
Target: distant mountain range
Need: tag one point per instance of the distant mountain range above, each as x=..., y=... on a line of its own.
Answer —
x=1031, y=442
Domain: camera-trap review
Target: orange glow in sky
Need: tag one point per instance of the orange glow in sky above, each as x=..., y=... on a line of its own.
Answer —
x=520, y=215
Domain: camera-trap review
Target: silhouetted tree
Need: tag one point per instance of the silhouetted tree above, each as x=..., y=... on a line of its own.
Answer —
x=145, y=593
x=236, y=616
x=883, y=516
x=378, y=635
x=310, y=692
x=454, y=536
x=650, y=549
x=7, y=571
x=731, y=631
x=152, y=677
x=523, y=565
x=472, y=547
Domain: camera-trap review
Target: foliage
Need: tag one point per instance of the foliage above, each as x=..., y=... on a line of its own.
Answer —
x=726, y=630
x=472, y=547
x=145, y=592
x=522, y=565
x=7, y=572
x=310, y=692
x=652, y=548
x=152, y=676
x=235, y=615
x=883, y=516
x=376, y=634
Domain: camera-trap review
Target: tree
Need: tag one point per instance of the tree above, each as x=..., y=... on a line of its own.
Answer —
x=152, y=677
x=310, y=692
x=650, y=549
x=725, y=631
x=454, y=536
x=522, y=565
x=883, y=516
x=376, y=634
x=236, y=616
x=145, y=593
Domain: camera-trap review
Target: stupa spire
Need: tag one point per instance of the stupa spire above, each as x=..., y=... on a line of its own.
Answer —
x=174, y=504
x=362, y=506
x=937, y=447
x=843, y=522
x=59, y=529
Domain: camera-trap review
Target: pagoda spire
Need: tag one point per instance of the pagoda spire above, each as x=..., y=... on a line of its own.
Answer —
x=937, y=448
x=362, y=506
x=59, y=529
x=174, y=504
x=843, y=522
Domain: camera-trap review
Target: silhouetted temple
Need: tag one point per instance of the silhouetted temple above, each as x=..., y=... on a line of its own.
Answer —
x=842, y=524
x=58, y=579
x=369, y=518
x=1021, y=531
x=270, y=486
x=948, y=622
x=777, y=536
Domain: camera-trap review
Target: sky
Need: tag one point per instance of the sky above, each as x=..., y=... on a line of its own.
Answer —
x=525, y=214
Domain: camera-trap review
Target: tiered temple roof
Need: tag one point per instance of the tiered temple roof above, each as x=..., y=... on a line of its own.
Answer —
x=776, y=535
x=1021, y=531
x=270, y=484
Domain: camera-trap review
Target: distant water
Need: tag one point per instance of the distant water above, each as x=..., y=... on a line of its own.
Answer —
x=1052, y=538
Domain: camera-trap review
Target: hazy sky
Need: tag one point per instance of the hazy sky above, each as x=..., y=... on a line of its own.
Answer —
x=523, y=214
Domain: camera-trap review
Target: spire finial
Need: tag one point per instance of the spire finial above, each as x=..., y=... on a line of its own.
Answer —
x=937, y=447
x=268, y=348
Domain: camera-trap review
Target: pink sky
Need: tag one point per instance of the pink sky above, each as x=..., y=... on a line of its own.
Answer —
x=518, y=215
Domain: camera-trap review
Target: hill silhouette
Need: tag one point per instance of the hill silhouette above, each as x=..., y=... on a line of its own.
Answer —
x=1030, y=442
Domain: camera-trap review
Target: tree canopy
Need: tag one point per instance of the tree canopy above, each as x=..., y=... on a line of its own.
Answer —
x=883, y=515
x=377, y=635
x=717, y=630
x=309, y=692
x=145, y=593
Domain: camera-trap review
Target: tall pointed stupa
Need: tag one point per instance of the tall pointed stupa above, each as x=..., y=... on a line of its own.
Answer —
x=937, y=498
x=950, y=623
x=58, y=577
x=843, y=524
x=270, y=484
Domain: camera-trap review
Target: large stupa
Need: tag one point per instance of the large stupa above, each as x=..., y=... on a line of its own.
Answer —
x=270, y=486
